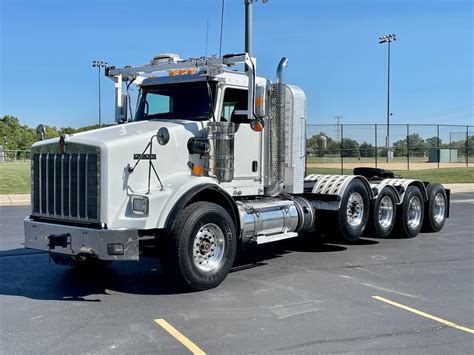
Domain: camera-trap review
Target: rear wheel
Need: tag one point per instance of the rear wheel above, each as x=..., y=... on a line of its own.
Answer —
x=353, y=213
x=436, y=208
x=410, y=221
x=202, y=247
x=384, y=214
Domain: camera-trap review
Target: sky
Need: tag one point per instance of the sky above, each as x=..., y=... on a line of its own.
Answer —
x=47, y=47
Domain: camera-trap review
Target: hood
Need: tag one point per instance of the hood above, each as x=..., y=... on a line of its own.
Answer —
x=133, y=131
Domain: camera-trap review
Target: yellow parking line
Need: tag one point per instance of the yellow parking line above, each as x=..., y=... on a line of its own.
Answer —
x=180, y=337
x=426, y=315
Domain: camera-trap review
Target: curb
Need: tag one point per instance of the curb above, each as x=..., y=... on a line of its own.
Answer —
x=15, y=200
x=24, y=199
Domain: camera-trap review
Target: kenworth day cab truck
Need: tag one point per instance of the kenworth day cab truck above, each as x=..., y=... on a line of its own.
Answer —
x=213, y=159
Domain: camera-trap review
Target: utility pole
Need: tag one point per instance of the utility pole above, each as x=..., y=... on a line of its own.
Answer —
x=99, y=64
x=248, y=24
x=338, y=127
x=388, y=39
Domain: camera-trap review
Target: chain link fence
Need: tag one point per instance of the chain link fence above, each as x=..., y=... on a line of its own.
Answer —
x=345, y=146
x=14, y=156
x=410, y=146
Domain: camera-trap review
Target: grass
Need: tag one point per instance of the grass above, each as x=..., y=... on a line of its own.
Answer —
x=445, y=175
x=15, y=177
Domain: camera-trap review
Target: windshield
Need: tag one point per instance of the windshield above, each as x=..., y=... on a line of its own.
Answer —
x=188, y=101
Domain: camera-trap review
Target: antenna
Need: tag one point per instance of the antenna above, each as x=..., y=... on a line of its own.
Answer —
x=222, y=27
x=207, y=34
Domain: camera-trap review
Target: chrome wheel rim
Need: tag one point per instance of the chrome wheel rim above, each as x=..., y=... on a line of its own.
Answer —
x=414, y=212
x=355, y=209
x=385, y=212
x=439, y=208
x=208, y=247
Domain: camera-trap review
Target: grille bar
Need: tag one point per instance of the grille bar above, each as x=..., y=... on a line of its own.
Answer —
x=66, y=186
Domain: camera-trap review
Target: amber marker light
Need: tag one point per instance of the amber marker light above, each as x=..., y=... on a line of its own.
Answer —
x=198, y=170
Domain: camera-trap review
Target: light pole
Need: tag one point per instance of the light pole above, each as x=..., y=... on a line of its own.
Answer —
x=99, y=64
x=388, y=39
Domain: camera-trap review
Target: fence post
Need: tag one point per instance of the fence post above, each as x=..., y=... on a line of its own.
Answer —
x=467, y=146
x=376, y=145
x=437, y=146
x=342, y=154
x=408, y=147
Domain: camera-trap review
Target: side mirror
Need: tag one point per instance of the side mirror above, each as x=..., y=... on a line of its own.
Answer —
x=260, y=101
x=121, y=114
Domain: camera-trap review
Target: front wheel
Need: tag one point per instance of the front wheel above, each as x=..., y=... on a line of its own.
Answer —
x=202, y=247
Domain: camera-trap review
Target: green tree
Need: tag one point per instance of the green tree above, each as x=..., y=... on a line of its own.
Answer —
x=433, y=142
x=367, y=150
x=350, y=148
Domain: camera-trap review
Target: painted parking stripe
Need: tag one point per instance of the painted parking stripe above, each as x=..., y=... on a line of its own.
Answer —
x=180, y=337
x=426, y=315
x=471, y=200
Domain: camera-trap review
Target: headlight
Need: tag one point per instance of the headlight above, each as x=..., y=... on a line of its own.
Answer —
x=140, y=204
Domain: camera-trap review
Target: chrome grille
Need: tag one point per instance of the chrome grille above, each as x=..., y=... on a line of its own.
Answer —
x=66, y=186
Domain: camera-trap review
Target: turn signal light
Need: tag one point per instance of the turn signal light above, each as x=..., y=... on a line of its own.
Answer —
x=172, y=72
x=198, y=170
x=256, y=125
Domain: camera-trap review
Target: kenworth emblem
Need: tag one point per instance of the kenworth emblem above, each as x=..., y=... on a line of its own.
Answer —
x=137, y=156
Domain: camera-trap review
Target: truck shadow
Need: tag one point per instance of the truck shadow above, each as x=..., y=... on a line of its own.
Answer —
x=30, y=274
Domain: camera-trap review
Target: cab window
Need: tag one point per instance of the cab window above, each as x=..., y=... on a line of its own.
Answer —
x=235, y=101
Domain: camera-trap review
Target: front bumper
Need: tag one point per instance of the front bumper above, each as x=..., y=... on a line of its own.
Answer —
x=85, y=242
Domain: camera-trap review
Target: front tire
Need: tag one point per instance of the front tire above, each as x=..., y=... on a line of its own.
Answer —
x=202, y=246
x=411, y=217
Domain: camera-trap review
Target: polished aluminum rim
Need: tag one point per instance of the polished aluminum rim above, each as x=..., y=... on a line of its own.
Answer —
x=208, y=247
x=414, y=212
x=355, y=209
x=385, y=212
x=439, y=208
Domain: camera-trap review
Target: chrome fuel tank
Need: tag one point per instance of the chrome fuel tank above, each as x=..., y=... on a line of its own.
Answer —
x=270, y=216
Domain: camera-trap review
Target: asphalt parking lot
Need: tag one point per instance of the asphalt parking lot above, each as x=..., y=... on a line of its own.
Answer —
x=379, y=295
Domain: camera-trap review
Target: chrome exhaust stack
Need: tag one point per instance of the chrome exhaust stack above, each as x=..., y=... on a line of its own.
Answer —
x=281, y=68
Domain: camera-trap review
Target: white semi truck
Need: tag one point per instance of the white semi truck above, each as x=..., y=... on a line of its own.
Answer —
x=212, y=159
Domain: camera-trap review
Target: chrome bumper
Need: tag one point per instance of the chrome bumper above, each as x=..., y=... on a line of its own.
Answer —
x=97, y=243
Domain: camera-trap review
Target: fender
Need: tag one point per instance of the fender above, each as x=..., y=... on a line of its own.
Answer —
x=204, y=192
x=401, y=185
x=377, y=188
x=335, y=185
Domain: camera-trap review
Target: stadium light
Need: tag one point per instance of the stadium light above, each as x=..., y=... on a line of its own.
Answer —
x=382, y=40
x=99, y=64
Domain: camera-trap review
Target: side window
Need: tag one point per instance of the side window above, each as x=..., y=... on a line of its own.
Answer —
x=235, y=100
x=157, y=104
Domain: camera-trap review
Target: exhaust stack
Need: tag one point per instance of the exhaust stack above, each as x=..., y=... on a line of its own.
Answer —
x=281, y=68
